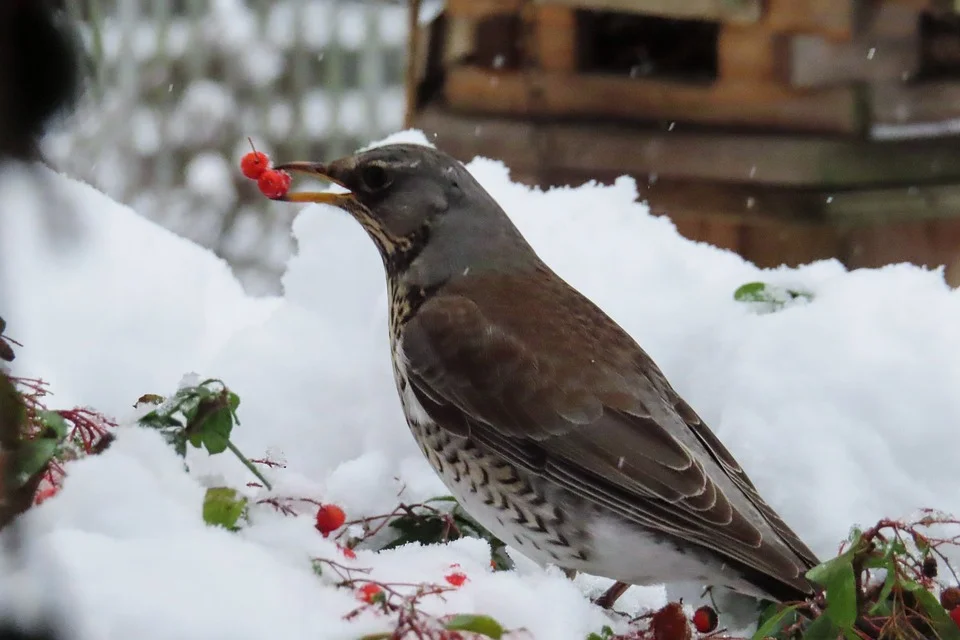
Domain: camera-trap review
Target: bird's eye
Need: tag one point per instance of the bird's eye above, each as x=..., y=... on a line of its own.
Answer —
x=374, y=177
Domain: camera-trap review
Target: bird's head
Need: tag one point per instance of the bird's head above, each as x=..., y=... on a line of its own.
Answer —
x=418, y=204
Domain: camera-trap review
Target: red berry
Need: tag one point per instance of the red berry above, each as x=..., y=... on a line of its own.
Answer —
x=456, y=578
x=273, y=183
x=370, y=593
x=669, y=623
x=955, y=615
x=347, y=552
x=253, y=164
x=950, y=598
x=330, y=517
x=705, y=619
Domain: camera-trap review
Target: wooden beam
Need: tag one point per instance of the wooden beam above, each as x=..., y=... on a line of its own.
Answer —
x=835, y=19
x=895, y=104
x=747, y=53
x=477, y=9
x=555, y=31
x=744, y=11
x=811, y=61
x=930, y=6
x=585, y=151
x=731, y=103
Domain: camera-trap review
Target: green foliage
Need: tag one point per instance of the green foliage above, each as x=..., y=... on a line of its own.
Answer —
x=767, y=298
x=903, y=605
x=774, y=620
x=431, y=526
x=837, y=577
x=36, y=452
x=483, y=625
x=605, y=634
x=223, y=506
x=203, y=416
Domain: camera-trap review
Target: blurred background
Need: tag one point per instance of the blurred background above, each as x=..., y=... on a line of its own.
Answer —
x=177, y=86
x=786, y=130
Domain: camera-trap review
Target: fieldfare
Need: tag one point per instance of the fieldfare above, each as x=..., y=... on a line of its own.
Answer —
x=543, y=417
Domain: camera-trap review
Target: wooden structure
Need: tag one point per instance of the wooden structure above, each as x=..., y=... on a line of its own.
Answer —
x=786, y=130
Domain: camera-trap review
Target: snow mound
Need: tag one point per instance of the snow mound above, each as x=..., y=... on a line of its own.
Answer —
x=839, y=408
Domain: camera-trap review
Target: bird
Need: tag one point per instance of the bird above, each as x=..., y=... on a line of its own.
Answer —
x=544, y=418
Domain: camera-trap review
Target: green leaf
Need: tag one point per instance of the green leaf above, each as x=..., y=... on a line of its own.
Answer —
x=484, y=625
x=216, y=431
x=751, y=292
x=773, y=297
x=233, y=402
x=943, y=625
x=775, y=622
x=888, y=585
x=823, y=628
x=842, y=598
x=54, y=421
x=605, y=634
x=223, y=506
x=422, y=528
x=33, y=456
x=836, y=576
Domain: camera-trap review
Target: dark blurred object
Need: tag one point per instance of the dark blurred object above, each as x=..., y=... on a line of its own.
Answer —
x=10, y=632
x=39, y=71
x=39, y=80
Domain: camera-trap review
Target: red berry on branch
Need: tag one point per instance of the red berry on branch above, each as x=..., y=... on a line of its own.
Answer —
x=370, y=593
x=273, y=183
x=253, y=164
x=330, y=517
x=347, y=552
x=950, y=598
x=669, y=623
x=705, y=619
x=456, y=578
x=955, y=616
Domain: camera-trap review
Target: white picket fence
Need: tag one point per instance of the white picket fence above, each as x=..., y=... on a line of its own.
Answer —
x=181, y=84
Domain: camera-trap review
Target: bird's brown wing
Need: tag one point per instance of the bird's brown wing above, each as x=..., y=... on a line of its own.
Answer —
x=608, y=429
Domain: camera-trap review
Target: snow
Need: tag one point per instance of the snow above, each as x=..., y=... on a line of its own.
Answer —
x=840, y=408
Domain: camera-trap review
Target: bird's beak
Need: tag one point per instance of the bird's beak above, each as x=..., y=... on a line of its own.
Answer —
x=317, y=170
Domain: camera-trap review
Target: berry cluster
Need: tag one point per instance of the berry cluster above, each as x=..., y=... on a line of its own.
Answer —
x=271, y=182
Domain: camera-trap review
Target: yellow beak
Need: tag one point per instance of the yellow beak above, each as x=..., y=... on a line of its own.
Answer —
x=316, y=169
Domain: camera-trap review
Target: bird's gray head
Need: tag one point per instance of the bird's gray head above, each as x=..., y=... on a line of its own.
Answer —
x=428, y=216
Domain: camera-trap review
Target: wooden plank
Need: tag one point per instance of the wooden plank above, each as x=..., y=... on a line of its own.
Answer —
x=584, y=151
x=770, y=244
x=746, y=104
x=744, y=11
x=812, y=61
x=930, y=6
x=886, y=19
x=835, y=19
x=890, y=205
x=747, y=53
x=459, y=40
x=886, y=46
x=556, y=37
x=477, y=9
x=876, y=245
x=895, y=106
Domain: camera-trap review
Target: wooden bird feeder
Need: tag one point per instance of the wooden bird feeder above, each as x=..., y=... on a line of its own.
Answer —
x=785, y=130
